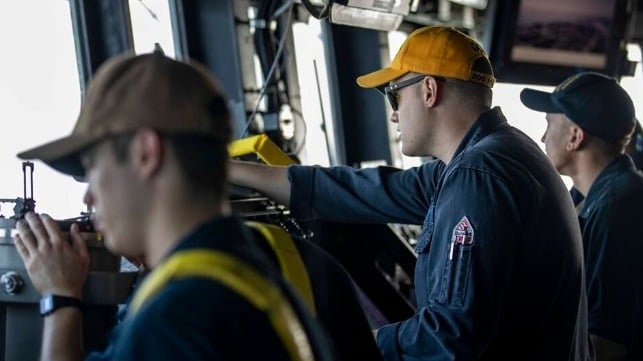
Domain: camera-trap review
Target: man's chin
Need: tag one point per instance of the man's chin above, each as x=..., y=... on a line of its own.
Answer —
x=412, y=153
x=110, y=247
x=407, y=152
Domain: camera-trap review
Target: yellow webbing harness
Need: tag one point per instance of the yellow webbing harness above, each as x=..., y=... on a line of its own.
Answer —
x=243, y=279
x=292, y=266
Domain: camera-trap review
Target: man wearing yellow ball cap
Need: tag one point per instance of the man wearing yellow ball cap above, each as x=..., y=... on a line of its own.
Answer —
x=500, y=272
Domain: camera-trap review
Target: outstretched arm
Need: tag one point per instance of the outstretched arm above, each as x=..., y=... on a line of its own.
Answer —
x=269, y=180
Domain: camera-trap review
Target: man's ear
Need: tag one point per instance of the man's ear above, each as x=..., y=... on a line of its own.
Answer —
x=147, y=152
x=576, y=138
x=431, y=91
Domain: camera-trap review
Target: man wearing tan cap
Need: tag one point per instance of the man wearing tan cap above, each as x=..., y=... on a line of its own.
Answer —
x=500, y=267
x=151, y=140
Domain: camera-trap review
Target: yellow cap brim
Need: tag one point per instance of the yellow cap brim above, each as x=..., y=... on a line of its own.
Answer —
x=379, y=77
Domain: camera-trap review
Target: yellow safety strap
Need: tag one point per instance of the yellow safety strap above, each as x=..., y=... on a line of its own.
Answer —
x=292, y=266
x=243, y=279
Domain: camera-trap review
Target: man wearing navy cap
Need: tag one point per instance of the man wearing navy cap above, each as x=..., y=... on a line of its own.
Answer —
x=590, y=121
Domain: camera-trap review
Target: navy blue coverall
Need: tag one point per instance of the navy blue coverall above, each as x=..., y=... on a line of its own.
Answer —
x=197, y=318
x=500, y=266
x=609, y=219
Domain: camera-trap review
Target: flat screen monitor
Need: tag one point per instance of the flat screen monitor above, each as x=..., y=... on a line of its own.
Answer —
x=545, y=41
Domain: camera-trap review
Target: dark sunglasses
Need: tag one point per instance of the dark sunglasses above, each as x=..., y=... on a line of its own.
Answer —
x=391, y=90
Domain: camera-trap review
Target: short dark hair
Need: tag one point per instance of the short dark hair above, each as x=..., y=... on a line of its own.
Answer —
x=610, y=148
x=120, y=146
x=203, y=161
x=474, y=93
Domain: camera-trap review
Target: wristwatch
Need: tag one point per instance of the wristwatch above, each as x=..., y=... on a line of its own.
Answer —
x=50, y=303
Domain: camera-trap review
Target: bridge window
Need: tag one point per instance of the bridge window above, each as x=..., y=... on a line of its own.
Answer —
x=40, y=99
x=151, y=24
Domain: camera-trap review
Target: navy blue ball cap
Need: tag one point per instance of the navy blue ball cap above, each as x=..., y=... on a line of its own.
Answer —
x=595, y=102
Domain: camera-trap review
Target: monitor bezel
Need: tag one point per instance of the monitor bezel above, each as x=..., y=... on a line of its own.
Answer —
x=500, y=31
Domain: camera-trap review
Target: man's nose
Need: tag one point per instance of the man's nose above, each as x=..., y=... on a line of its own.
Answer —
x=88, y=199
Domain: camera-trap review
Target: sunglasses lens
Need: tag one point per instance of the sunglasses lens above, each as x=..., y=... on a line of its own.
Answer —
x=392, y=99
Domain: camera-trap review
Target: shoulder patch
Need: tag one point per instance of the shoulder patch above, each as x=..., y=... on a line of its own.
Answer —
x=462, y=235
x=463, y=232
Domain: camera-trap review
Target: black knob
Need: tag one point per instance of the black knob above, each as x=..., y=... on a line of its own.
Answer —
x=11, y=282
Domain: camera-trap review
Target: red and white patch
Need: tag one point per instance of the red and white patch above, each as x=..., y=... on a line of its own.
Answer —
x=463, y=232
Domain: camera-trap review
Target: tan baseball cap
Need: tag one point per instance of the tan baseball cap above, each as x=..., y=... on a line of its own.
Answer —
x=436, y=50
x=129, y=92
